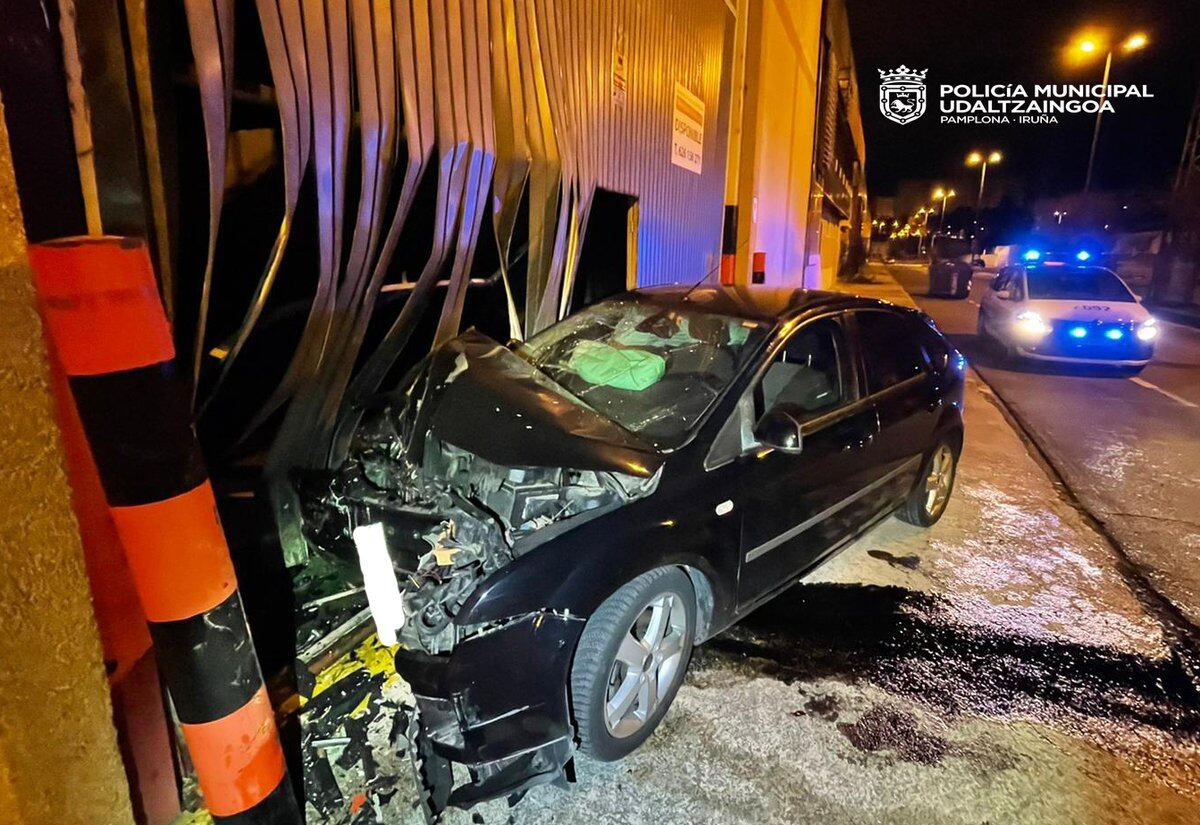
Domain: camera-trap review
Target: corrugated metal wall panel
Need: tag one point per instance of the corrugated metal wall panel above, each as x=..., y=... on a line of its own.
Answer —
x=508, y=97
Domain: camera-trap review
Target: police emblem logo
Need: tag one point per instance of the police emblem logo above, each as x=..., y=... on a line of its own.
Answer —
x=902, y=94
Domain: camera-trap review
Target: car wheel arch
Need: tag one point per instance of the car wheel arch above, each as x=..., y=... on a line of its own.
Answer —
x=583, y=578
x=950, y=425
x=705, y=602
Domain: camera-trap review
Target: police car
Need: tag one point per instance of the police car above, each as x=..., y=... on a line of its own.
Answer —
x=1071, y=312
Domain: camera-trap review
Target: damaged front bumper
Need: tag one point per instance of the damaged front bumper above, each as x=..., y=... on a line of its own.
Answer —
x=498, y=705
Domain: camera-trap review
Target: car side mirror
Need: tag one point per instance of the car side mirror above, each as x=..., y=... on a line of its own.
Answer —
x=1003, y=294
x=780, y=429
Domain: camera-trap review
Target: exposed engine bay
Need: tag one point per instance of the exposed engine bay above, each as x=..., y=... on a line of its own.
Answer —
x=450, y=516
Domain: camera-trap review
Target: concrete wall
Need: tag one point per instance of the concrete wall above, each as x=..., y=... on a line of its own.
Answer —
x=58, y=752
x=783, y=47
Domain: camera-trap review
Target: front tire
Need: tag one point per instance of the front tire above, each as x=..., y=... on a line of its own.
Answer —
x=630, y=662
x=981, y=330
x=928, y=499
x=1006, y=352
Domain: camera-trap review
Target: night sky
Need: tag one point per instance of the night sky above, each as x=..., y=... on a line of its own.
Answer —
x=992, y=41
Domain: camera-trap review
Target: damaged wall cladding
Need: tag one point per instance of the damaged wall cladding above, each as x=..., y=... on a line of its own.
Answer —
x=544, y=100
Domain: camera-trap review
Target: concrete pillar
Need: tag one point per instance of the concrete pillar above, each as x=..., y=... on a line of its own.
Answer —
x=58, y=749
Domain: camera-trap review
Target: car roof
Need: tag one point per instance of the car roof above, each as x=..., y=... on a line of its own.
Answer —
x=758, y=303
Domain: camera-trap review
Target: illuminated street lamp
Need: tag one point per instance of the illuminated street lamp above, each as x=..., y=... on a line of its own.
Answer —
x=1135, y=42
x=943, y=195
x=1058, y=216
x=924, y=230
x=1085, y=47
x=982, y=161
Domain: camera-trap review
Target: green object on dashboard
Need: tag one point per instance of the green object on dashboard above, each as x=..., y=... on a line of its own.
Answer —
x=624, y=369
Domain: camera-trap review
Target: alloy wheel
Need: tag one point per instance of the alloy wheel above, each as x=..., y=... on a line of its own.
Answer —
x=647, y=662
x=938, y=481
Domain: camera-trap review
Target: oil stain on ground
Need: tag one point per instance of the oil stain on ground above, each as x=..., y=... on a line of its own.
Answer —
x=902, y=641
x=885, y=729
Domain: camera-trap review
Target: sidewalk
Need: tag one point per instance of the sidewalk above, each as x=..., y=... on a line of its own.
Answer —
x=877, y=284
x=1185, y=314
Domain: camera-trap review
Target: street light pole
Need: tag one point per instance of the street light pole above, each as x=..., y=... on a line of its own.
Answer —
x=979, y=200
x=981, y=160
x=1087, y=182
x=942, y=218
x=1092, y=45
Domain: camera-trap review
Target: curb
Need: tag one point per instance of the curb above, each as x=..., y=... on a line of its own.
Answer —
x=1180, y=634
x=1182, y=637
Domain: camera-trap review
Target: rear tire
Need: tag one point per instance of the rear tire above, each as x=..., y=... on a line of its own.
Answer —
x=928, y=499
x=622, y=680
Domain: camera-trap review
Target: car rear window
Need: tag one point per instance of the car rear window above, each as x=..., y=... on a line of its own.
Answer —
x=891, y=349
x=1070, y=284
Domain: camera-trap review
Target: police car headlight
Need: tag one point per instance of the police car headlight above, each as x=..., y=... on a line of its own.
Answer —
x=1148, y=330
x=1030, y=324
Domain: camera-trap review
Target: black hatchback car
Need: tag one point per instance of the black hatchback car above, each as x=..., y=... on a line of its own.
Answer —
x=567, y=517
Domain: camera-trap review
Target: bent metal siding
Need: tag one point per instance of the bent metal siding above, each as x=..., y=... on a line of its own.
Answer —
x=552, y=98
x=626, y=148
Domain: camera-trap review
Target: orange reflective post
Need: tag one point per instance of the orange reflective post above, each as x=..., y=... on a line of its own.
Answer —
x=101, y=309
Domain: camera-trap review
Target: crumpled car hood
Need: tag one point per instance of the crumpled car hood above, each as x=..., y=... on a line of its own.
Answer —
x=481, y=397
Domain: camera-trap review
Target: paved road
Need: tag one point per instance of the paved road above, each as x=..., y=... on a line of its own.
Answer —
x=1129, y=448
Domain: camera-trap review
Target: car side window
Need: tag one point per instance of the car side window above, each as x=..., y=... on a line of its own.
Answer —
x=809, y=372
x=999, y=282
x=891, y=350
x=937, y=353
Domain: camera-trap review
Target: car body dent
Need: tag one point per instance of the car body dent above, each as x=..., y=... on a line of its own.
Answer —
x=468, y=715
x=486, y=400
x=591, y=560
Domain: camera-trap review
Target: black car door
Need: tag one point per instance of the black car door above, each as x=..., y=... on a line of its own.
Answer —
x=793, y=503
x=906, y=399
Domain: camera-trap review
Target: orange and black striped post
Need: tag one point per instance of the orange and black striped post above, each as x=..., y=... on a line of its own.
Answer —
x=729, y=245
x=102, y=314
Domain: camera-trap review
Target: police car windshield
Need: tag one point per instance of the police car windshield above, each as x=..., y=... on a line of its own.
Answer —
x=1073, y=284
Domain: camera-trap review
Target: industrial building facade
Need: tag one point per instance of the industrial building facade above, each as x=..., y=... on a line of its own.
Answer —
x=327, y=188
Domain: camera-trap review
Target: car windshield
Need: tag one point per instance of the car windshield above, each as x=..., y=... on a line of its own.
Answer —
x=1077, y=285
x=652, y=369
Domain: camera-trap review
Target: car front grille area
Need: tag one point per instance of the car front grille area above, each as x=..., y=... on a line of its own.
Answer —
x=1093, y=339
